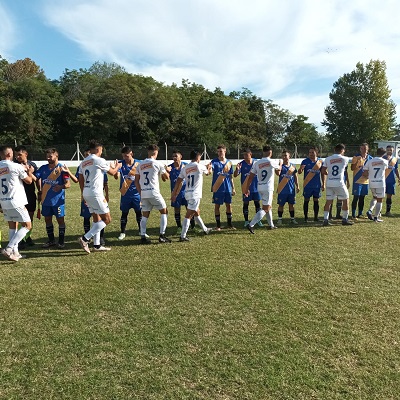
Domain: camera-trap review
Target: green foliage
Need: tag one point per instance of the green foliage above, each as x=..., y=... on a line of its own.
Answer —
x=360, y=108
x=301, y=133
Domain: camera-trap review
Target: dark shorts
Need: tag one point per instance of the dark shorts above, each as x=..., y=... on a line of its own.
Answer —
x=289, y=198
x=57, y=211
x=312, y=192
x=180, y=201
x=221, y=198
x=129, y=202
x=253, y=196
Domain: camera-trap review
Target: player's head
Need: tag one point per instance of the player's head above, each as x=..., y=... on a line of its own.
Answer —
x=340, y=148
x=389, y=150
x=52, y=155
x=195, y=155
x=21, y=154
x=86, y=152
x=221, y=150
x=313, y=152
x=364, y=147
x=247, y=154
x=380, y=152
x=267, y=151
x=152, y=150
x=95, y=147
x=285, y=155
x=127, y=153
x=6, y=152
x=176, y=155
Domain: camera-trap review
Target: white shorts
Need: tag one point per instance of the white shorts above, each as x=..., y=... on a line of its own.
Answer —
x=97, y=205
x=193, y=204
x=267, y=197
x=156, y=202
x=19, y=214
x=341, y=192
x=379, y=193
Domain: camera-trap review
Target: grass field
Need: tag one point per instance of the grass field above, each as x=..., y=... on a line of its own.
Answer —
x=298, y=313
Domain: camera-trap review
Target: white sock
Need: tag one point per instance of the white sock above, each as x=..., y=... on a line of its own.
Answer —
x=378, y=209
x=326, y=214
x=185, y=227
x=345, y=214
x=270, y=221
x=258, y=217
x=96, y=227
x=200, y=222
x=143, y=225
x=163, y=223
x=96, y=238
x=372, y=205
x=17, y=237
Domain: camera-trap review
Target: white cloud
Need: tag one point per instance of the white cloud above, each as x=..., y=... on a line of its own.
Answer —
x=7, y=32
x=270, y=45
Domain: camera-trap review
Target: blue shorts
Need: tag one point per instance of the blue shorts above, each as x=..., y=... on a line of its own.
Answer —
x=57, y=211
x=180, y=201
x=312, y=192
x=129, y=202
x=286, y=198
x=85, y=213
x=221, y=198
x=253, y=196
x=390, y=189
x=360, y=189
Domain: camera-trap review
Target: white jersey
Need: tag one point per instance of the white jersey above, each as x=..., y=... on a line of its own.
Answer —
x=376, y=172
x=12, y=192
x=192, y=173
x=149, y=171
x=335, y=166
x=92, y=168
x=264, y=169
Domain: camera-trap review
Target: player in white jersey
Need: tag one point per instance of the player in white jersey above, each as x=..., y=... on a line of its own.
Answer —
x=374, y=169
x=91, y=182
x=148, y=185
x=13, y=200
x=192, y=174
x=332, y=173
x=265, y=170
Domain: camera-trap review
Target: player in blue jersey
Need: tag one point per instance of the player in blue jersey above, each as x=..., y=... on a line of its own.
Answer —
x=130, y=198
x=360, y=183
x=312, y=181
x=174, y=170
x=288, y=186
x=391, y=173
x=243, y=169
x=52, y=182
x=222, y=186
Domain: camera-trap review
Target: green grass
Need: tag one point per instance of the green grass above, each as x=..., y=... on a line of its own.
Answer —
x=297, y=313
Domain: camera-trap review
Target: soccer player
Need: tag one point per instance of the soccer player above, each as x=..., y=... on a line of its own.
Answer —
x=130, y=198
x=243, y=169
x=174, y=170
x=374, y=170
x=222, y=186
x=287, y=188
x=148, y=185
x=312, y=181
x=13, y=200
x=391, y=173
x=192, y=174
x=91, y=182
x=21, y=157
x=264, y=170
x=360, y=183
x=332, y=173
x=52, y=184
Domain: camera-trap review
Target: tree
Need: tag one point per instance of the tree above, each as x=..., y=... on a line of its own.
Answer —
x=301, y=133
x=277, y=121
x=360, y=108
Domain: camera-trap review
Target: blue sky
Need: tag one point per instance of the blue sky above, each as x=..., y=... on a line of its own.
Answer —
x=289, y=51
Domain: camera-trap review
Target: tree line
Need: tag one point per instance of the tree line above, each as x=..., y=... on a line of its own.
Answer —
x=114, y=106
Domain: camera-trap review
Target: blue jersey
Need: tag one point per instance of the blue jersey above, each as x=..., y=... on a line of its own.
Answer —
x=124, y=171
x=219, y=169
x=393, y=166
x=51, y=178
x=289, y=187
x=315, y=182
x=359, y=162
x=174, y=174
x=245, y=172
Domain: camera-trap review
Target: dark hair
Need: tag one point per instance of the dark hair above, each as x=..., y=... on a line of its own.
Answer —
x=286, y=151
x=221, y=146
x=339, y=147
x=4, y=148
x=266, y=148
x=94, y=144
x=247, y=150
x=315, y=148
x=194, y=154
x=364, y=144
x=126, y=149
x=21, y=148
x=176, y=151
x=51, y=150
x=381, y=151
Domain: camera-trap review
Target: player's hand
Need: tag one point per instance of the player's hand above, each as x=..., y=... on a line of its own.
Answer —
x=297, y=190
x=167, y=168
x=238, y=167
x=39, y=197
x=322, y=188
x=233, y=191
x=173, y=197
x=65, y=169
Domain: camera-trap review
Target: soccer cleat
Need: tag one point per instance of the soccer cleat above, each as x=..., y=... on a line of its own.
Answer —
x=22, y=245
x=338, y=217
x=293, y=222
x=279, y=222
x=179, y=231
x=208, y=231
x=389, y=214
x=145, y=235
x=259, y=223
x=60, y=246
x=164, y=239
x=231, y=228
x=246, y=223
x=84, y=244
x=184, y=239
x=19, y=255
x=49, y=244
x=145, y=240
x=102, y=248
x=347, y=222
x=360, y=216
x=218, y=228
x=121, y=236
x=316, y=219
x=271, y=228
x=306, y=220
x=369, y=215
x=376, y=219
x=9, y=254
x=326, y=223
x=250, y=229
